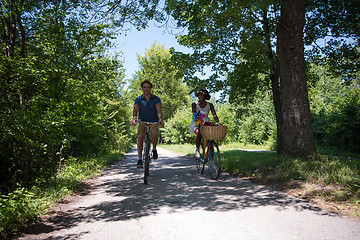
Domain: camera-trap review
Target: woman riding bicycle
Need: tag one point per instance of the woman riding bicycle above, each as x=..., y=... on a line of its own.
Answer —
x=201, y=107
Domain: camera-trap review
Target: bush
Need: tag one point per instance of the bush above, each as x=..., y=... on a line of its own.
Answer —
x=18, y=207
x=335, y=110
x=24, y=205
x=344, y=126
x=176, y=130
x=256, y=121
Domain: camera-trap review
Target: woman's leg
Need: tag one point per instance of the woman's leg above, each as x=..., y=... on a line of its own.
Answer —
x=197, y=141
x=197, y=138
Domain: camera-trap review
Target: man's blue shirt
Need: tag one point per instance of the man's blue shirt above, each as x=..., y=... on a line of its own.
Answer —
x=147, y=111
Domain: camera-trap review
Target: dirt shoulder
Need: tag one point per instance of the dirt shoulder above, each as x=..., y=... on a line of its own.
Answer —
x=320, y=195
x=309, y=192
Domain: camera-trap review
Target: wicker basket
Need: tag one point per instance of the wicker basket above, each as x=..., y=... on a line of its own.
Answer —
x=213, y=132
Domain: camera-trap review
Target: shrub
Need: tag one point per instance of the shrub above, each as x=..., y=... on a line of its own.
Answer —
x=177, y=128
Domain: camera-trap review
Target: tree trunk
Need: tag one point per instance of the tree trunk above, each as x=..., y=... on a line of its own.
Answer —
x=296, y=129
x=274, y=79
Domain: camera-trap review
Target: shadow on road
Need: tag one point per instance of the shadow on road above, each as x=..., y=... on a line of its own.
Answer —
x=173, y=185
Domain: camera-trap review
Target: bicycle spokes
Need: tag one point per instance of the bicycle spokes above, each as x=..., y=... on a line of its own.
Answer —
x=214, y=164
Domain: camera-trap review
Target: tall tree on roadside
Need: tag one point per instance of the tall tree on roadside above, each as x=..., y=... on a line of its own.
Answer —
x=297, y=135
x=156, y=65
x=238, y=39
x=57, y=90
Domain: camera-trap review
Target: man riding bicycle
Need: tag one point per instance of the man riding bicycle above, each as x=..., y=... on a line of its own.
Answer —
x=150, y=110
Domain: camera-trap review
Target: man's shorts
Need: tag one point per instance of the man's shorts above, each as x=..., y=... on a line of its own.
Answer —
x=142, y=127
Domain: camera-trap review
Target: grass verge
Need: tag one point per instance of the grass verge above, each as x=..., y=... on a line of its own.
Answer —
x=24, y=205
x=331, y=182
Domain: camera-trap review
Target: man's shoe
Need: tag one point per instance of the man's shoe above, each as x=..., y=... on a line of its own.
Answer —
x=139, y=164
x=197, y=154
x=154, y=153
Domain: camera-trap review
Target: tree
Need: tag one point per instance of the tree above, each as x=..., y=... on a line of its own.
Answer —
x=60, y=94
x=157, y=67
x=238, y=39
x=336, y=24
x=297, y=135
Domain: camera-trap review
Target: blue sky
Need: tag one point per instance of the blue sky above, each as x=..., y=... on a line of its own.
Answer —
x=137, y=42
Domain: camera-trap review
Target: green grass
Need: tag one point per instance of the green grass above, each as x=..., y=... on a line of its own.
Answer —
x=25, y=205
x=230, y=146
x=245, y=163
x=188, y=149
x=339, y=175
x=337, y=152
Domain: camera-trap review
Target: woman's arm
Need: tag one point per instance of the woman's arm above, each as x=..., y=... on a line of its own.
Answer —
x=193, y=107
x=214, y=113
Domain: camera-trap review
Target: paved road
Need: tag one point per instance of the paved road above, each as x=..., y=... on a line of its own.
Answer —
x=179, y=204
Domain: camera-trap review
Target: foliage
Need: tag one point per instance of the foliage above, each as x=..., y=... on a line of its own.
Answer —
x=227, y=116
x=131, y=12
x=336, y=22
x=228, y=36
x=157, y=67
x=177, y=128
x=252, y=123
x=24, y=205
x=17, y=208
x=344, y=125
x=335, y=112
x=256, y=121
x=60, y=94
x=238, y=39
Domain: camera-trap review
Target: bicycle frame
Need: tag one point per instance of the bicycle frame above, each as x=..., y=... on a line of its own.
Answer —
x=146, y=150
x=210, y=155
x=206, y=145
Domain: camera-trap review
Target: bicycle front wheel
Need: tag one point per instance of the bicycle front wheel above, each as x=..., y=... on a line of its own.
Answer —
x=146, y=159
x=200, y=164
x=214, y=163
x=146, y=169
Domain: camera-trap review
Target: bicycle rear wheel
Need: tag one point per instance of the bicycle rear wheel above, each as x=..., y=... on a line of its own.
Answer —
x=214, y=163
x=200, y=164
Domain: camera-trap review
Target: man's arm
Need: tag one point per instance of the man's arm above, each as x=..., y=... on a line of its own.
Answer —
x=159, y=112
x=135, y=113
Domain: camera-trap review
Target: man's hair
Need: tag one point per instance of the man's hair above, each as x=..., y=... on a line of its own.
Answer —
x=204, y=92
x=146, y=81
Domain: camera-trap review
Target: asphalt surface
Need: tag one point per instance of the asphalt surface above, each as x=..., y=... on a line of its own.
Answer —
x=180, y=204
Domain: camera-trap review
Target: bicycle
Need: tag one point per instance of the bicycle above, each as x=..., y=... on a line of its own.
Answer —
x=147, y=149
x=209, y=150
